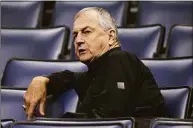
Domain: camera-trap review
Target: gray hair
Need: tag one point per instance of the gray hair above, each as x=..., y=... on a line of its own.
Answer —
x=105, y=19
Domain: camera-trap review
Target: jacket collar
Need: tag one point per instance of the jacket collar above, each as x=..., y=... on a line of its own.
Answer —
x=94, y=66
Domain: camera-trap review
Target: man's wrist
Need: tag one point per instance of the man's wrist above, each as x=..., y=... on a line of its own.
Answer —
x=41, y=79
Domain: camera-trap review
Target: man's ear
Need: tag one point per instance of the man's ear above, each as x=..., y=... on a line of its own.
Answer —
x=112, y=38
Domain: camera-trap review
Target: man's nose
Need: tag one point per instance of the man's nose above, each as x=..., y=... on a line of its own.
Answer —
x=79, y=39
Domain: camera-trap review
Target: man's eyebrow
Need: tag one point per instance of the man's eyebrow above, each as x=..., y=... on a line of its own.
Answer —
x=74, y=32
x=87, y=27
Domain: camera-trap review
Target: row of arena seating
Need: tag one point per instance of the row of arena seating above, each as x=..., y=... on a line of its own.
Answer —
x=167, y=72
x=177, y=100
x=51, y=43
x=29, y=14
x=98, y=123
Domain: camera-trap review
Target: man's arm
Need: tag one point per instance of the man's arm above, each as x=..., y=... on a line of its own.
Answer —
x=40, y=86
x=59, y=82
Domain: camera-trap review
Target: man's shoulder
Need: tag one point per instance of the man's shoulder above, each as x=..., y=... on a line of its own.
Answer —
x=124, y=57
x=121, y=54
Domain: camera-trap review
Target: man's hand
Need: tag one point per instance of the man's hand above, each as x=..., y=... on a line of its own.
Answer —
x=36, y=94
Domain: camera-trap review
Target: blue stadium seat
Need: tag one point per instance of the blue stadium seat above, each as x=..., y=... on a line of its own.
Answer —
x=11, y=104
x=21, y=14
x=32, y=43
x=147, y=45
x=19, y=73
x=127, y=122
x=171, y=123
x=12, y=101
x=178, y=101
x=67, y=102
x=180, y=41
x=65, y=11
x=7, y=123
x=61, y=125
x=171, y=71
x=165, y=13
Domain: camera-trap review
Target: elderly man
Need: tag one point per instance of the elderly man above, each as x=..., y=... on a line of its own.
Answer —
x=117, y=83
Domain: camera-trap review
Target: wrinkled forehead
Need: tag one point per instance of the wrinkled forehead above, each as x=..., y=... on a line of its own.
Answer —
x=88, y=18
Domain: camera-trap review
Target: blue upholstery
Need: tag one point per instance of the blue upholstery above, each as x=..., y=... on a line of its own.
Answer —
x=171, y=71
x=61, y=125
x=11, y=104
x=165, y=13
x=177, y=101
x=7, y=123
x=145, y=45
x=67, y=102
x=32, y=43
x=126, y=122
x=13, y=98
x=21, y=14
x=12, y=101
x=25, y=70
x=19, y=72
x=180, y=41
x=65, y=11
x=171, y=123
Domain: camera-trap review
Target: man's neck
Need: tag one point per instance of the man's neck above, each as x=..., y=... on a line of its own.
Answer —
x=103, y=51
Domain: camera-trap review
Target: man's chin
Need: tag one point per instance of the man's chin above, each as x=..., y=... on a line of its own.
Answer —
x=84, y=60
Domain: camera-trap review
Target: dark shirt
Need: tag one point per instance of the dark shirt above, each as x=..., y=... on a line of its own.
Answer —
x=117, y=84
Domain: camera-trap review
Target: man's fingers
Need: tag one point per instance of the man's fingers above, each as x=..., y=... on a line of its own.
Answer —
x=34, y=96
x=42, y=106
x=26, y=103
x=31, y=110
x=29, y=117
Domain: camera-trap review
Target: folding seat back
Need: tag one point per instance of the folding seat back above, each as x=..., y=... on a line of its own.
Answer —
x=32, y=43
x=12, y=101
x=177, y=101
x=127, y=122
x=11, y=104
x=180, y=41
x=165, y=13
x=147, y=45
x=65, y=11
x=21, y=14
x=61, y=125
x=20, y=72
x=7, y=123
x=171, y=71
x=66, y=102
x=171, y=123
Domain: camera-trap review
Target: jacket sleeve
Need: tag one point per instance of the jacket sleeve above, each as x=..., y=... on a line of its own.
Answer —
x=59, y=82
x=118, y=96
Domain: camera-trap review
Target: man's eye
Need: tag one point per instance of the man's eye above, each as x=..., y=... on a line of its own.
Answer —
x=87, y=32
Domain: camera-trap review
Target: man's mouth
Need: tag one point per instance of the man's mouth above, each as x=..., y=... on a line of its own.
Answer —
x=81, y=51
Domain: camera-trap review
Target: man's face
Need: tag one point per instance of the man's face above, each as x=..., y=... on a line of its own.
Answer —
x=90, y=39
